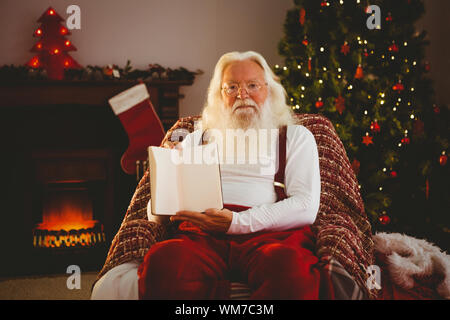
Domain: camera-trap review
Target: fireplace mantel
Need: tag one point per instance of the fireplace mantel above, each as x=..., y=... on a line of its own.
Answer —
x=95, y=93
x=164, y=94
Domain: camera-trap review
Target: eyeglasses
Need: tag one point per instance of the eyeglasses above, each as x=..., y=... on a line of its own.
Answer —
x=233, y=89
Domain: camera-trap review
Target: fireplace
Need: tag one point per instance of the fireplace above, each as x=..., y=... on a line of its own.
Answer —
x=72, y=198
x=67, y=216
x=65, y=192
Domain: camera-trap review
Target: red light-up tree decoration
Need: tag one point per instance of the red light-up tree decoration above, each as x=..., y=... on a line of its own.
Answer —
x=52, y=46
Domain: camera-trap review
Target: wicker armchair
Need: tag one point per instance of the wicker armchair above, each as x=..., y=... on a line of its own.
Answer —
x=344, y=242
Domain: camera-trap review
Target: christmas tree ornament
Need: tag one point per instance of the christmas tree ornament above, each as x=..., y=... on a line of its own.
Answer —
x=405, y=139
x=108, y=71
x=427, y=66
x=52, y=46
x=443, y=159
x=319, y=103
x=324, y=3
x=367, y=140
x=309, y=64
x=141, y=123
x=436, y=109
x=305, y=41
x=389, y=17
x=398, y=86
x=340, y=104
x=384, y=219
x=302, y=16
x=359, y=74
x=385, y=55
x=345, y=48
x=374, y=126
x=393, y=47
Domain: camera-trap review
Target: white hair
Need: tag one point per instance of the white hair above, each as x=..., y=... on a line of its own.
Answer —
x=275, y=109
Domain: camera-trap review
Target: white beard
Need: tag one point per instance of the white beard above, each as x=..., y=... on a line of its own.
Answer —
x=251, y=116
x=252, y=119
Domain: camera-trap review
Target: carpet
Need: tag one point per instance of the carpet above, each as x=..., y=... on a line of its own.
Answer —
x=48, y=287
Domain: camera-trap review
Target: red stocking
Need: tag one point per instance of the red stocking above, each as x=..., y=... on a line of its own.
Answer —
x=140, y=121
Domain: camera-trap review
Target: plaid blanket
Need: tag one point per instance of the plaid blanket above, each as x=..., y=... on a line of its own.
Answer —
x=343, y=233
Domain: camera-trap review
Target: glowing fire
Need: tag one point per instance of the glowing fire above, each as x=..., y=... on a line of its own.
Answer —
x=67, y=222
x=67, y=211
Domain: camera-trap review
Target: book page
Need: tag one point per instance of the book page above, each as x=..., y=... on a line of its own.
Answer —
x=200, y=181
x=164, y=183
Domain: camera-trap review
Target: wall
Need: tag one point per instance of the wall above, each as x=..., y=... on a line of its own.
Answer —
x=435, y=22
x=173, y=33
x=188, y=33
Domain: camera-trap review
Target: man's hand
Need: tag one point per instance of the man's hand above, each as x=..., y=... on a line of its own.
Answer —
x=212, y=220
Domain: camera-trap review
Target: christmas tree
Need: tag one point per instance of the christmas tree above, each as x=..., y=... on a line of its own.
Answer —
x=372, y=83
x=52, y=46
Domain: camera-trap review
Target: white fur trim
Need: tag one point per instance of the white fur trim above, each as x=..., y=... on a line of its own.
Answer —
x=408, y=258
x=129, y=98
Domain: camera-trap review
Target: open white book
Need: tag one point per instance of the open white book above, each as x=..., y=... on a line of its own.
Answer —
x=187, y=179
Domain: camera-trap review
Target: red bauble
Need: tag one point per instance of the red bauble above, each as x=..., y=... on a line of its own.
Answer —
x=443, y=160
x=384, y=219
x=389, y=17
x=393, y=174
x=324, y=4
x=406, y=140
x=305, y=42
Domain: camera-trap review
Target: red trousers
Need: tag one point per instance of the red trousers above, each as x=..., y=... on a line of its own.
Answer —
x=197, y=265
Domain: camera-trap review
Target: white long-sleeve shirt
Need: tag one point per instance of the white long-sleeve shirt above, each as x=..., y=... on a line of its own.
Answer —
x=250, y=184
